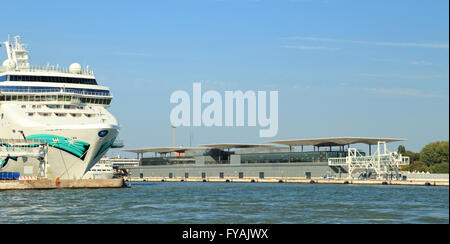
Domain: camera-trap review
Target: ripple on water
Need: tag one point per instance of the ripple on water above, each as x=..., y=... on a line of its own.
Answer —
x=228, y=203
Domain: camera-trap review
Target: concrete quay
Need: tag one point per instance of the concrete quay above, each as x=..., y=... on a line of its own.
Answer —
x=295, y=180
x=41, y=184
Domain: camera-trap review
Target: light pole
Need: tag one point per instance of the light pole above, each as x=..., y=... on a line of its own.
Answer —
x=173, y=136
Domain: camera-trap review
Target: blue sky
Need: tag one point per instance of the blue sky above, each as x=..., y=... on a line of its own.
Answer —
x=342, y=68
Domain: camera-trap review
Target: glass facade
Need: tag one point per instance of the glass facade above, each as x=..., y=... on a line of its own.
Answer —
x=56, y=79
x=286, y=157
x=167, y=161
x=43, y=89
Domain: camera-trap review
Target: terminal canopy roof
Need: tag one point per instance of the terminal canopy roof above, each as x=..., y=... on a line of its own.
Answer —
x=334, y=141
x=223, y=146
x=163, y=149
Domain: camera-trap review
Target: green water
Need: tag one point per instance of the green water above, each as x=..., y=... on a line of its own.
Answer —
x=229, y=203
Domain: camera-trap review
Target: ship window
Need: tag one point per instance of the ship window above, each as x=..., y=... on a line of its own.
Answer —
x=52, y=106
x=34, y=89
x=30, y=114
x=48, y=79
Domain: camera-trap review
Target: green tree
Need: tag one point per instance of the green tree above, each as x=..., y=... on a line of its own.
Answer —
x=440, y=168
x=401, y=149
x=435, y=153
x=419, y=167
x=413, y=156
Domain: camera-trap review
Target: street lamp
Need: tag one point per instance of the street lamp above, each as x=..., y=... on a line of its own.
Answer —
x=173, y=136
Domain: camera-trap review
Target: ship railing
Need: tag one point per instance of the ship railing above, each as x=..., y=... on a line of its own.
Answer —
x=57, y=90
x=47, y=68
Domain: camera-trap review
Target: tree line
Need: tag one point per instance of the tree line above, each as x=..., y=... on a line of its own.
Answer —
x=433, y=158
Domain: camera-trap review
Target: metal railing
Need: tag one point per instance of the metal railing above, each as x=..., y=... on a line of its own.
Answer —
x=337, y=161
x=56, y=90
x=47, y=68
x=382, y=163
x=22, y=148
x=21, y=141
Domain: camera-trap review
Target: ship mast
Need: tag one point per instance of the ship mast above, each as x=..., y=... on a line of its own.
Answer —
x=17, y=54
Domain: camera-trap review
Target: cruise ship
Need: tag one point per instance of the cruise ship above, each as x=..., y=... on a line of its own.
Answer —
x=65, y=107
x=101, y=170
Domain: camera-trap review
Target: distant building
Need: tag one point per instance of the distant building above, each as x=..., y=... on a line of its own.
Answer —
x=249, y=160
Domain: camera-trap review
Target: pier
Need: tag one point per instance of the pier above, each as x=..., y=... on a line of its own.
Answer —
x=300, y=180
x=42, y=184
x=338, y=164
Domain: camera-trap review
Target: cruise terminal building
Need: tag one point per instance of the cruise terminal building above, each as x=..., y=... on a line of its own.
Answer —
x=297, y=158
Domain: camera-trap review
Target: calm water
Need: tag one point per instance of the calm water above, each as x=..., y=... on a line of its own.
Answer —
x=229, y=203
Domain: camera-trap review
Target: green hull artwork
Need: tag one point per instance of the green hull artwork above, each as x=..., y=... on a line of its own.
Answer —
x=76, y=148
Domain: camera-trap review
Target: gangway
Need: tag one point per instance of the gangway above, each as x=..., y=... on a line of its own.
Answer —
x=16, y=148
x=383, y=163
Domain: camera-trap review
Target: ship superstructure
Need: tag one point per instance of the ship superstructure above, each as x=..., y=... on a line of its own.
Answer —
x=64, y=107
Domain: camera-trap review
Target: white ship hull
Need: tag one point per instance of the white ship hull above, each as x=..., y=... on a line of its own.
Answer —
x=75, y=144
x=64, y=163
x=101, y=170
x=98, y=175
